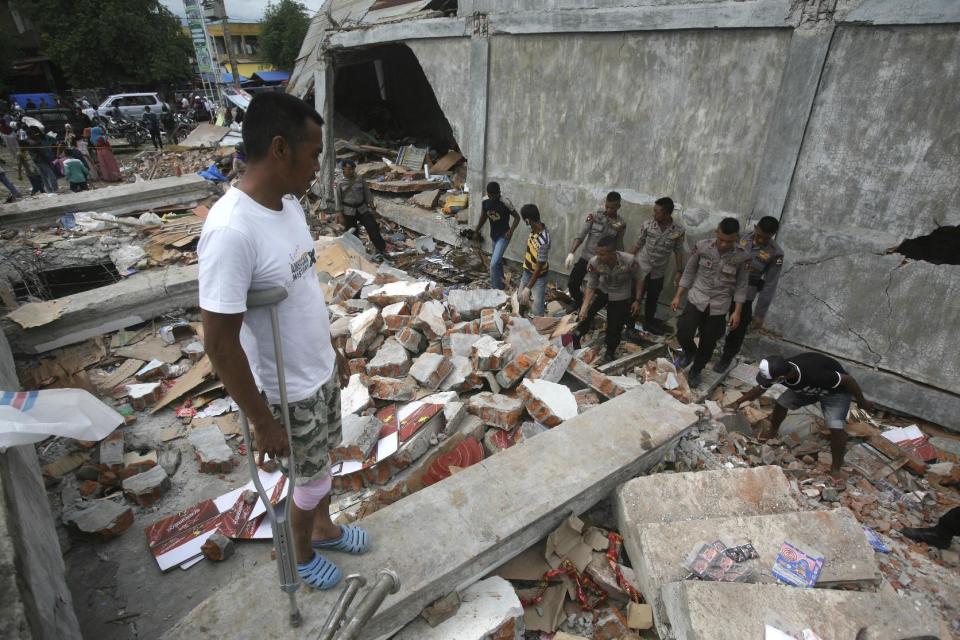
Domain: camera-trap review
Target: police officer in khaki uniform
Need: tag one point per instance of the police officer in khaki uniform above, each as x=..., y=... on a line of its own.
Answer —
x=602, y=223
x=355, y=206
x=612, y=276
x=716, y=273
x=764, y=265
x=658, y=239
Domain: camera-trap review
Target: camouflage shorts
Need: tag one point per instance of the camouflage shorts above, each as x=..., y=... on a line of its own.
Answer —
x=314, y=424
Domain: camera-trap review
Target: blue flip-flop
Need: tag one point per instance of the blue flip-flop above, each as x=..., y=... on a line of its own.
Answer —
x=319, y=572
x=352, y=539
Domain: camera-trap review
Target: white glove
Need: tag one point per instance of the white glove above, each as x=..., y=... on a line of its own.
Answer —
x=568, y=263
x=524, y=296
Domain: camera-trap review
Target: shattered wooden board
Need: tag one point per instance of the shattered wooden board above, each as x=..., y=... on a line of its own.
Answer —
x=37, y=314
x=153, y=348
x=186, y=383
x=403, y=186
x=108, y=381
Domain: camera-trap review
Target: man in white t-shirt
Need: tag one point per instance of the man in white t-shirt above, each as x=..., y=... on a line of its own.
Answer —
x=256, y=237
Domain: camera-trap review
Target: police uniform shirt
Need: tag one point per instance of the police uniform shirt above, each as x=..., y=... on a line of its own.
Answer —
x=655, y=246
x=764, y=265
x=354, y=195
x=614, y=280
x=599, y=225
x=713, y=279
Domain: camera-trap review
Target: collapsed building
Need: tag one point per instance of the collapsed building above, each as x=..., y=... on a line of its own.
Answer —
x=808, y=111
x=741, y=105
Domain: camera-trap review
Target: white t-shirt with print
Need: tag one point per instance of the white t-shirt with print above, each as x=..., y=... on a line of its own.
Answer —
x=245, y=246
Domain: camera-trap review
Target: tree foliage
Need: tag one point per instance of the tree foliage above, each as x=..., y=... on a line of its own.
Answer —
x=103, y=42
x=282, y=30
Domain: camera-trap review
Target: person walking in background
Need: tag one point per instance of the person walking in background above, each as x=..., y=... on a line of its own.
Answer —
x=27, y=166
x=152, y=123
x=498, y=211
x=76, y=174
x=356, y=207
x=5, y=181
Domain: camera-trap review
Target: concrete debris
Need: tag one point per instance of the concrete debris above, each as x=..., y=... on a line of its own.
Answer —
x=393, y=389
x=148, y=487
x=218, y=547
x=468, y=303
x=432, y=318
x=360, y=434
x=441, y=610
x=392, y=360
x=356, y=396
x=552, y=364
x=496, y=410
x=486, y=610
x=430, y=369
x=548, y=402
x=103, y=520
x=211, y=449
x=489, y=354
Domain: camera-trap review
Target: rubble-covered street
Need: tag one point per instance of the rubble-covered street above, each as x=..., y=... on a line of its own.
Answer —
x=444, y=373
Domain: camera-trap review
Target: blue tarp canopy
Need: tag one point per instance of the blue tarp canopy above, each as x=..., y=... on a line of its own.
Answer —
x=272, y=76
x=21, y=99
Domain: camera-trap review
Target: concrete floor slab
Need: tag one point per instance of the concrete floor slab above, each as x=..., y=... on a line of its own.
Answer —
x=703, y=494
x=725, y=611
x=141, y=297
x=118, y=200
x=448, y=535
x=659, y=551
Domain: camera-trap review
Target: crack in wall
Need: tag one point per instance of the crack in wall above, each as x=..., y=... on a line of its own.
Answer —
x=846, y=325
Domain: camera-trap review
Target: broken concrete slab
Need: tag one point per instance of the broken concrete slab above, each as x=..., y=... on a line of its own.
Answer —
x=392, y=360
x=427, y=199
x=117, y=200
x=430, y=369
x=486, y=609
x=411, y=340
x=111, y=451
x=414, y=218
x=488, y=354
x=478, y=518
x=432, y=318
x=355, y=397
x=523, y=336
x=461, y=377
x=496, y=410
x=360, y=433
x=205, y=135
x=213, y=453
x=468, y=303
x=399, y=291
x=702, y=494
x=134, y=300
x=658, y=551
x=597, y=381
x=511, y=374
x=393, y=389
x=549, y=403
x=692, y=608
x=552, y=364
x=103, y=519
x=148, y=487
x=461, y=344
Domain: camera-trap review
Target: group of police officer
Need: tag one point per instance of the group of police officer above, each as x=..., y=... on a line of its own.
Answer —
x=729, y=279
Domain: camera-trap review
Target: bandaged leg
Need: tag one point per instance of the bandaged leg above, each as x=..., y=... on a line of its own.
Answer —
x=308, y=496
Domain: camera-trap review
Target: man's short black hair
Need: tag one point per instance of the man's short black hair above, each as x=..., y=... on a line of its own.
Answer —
x=613, y=196
x=778, y=366
x=493, y=188
x=147, y=108
x=528, y=211
x=273, y=114
x=666, y=204
x=350, y=163
x=608, y=242
x=768, y=224
x=729, y=225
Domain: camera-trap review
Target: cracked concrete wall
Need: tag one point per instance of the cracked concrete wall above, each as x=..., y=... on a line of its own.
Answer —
x=880, y=163
x=467, y=7
x=444, y=61
x=683, y=113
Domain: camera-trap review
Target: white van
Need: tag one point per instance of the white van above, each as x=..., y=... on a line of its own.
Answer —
x=131, y=104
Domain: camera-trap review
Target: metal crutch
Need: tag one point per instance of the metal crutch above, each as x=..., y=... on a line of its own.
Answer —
x=280, y=523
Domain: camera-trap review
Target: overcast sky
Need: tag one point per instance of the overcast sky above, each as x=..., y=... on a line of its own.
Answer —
x=246, y=10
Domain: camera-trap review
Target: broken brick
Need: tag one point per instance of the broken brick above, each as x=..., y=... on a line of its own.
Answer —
x=357, y=365
x=551, y=365
x=490, y=323
x=431, y=317
x=91, y=489
x=103, y=520
x=211, y=449
x=148, y=487
x=511, y=374
x=496, y=410
x=594, y=379
x=393, y=389
x=111, y=452
x=391, y=360
x=489, y=354
x=411, y=340
x=430, y=369
x=217, y=547
x=549, y=403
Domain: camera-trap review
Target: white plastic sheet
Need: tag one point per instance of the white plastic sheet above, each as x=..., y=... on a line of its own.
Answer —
x=31, y=416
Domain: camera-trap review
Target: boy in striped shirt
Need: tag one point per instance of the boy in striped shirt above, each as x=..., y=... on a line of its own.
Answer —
x=535, y=265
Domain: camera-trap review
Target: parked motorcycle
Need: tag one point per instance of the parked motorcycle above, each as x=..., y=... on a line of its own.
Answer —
x=132, y=131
